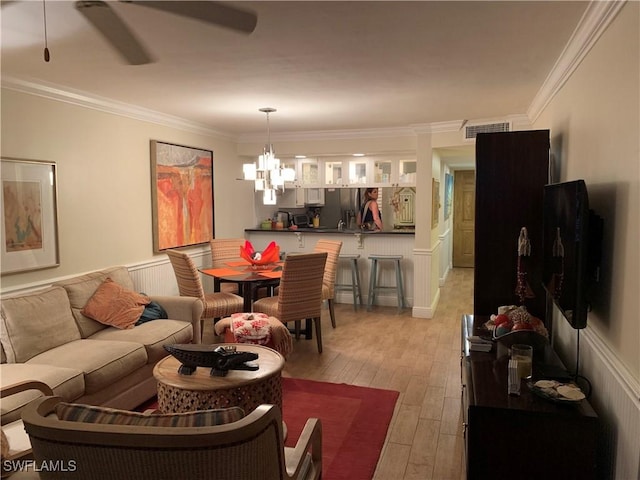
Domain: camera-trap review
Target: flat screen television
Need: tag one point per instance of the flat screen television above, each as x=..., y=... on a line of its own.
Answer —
x=572, y=236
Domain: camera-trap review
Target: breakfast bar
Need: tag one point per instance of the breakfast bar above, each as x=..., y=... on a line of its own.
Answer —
x=354, y=242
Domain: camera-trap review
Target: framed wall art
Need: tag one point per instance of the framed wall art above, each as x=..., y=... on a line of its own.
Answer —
x=29, y=232
x=182, y=195
x=448, y=194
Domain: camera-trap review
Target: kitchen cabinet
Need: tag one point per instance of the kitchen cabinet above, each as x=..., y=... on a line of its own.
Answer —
x=307, y=188
x=299, y=197
x=291, y=163
x=407, y=173
x=308, y=173
x=334, y=174
x=347, y=172
x=383, y=173
x=292, y=197
x=360, y=172
x=394, y=173
x=313, y=196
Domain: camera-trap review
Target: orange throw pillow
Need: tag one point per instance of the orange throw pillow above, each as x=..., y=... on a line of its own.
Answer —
x=114, y=305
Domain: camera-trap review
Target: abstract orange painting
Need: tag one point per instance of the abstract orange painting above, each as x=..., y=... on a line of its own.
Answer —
x=182, y=191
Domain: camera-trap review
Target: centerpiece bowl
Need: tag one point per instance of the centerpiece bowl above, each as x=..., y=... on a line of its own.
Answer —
x=269, y=255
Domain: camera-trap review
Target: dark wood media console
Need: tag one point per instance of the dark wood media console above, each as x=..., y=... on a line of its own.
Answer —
x=526, y=436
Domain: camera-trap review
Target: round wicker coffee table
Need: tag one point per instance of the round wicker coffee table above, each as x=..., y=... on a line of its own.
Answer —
x=239, y=388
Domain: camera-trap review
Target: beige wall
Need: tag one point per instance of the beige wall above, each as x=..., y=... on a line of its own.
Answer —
x=594, y=122
x=595, y=125
x=104, y=186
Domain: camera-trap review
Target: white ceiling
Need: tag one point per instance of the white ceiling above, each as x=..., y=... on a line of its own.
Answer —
x=323, y=65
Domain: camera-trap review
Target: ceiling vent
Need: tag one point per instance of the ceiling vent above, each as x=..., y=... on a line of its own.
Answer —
x=470, y=131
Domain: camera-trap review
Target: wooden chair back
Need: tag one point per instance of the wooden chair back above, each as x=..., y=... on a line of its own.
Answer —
x=225, y=250
x=251, y=448
x=300, y=290
x=332, y=248
x=187, y=275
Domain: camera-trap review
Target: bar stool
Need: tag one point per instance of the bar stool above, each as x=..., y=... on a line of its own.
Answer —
x=354, y=286
x=373, y=280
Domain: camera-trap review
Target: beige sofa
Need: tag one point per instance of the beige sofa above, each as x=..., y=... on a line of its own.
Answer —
x=45, y=337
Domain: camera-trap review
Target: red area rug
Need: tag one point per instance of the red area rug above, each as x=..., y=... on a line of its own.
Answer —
x=354, y=423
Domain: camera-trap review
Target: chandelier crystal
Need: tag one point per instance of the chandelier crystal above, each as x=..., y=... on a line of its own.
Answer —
x=267, y=174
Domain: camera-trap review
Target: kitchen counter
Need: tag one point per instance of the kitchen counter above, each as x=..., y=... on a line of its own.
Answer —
x=336, y=231
x=354, y=242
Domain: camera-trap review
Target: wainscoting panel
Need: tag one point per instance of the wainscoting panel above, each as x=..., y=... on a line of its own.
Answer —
x=616, y=398
x=446, y=241
x=157, y=277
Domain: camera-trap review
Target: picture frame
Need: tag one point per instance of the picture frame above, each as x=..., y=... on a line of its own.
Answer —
x=448, y=194
x=435, y=202
x=29, y=231
x=182, y=195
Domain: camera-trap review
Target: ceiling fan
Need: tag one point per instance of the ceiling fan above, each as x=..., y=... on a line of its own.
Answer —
x=122, y=38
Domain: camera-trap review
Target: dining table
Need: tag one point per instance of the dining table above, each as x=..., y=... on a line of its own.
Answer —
x=248, y=277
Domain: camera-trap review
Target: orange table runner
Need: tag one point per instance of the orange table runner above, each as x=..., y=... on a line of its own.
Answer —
x=221, y=272
x=267, y=274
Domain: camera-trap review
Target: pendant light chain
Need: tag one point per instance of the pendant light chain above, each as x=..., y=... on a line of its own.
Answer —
x=46, y=43
x=269, y=134
x=268, y=110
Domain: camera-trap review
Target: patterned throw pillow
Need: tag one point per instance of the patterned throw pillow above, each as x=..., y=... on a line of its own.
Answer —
x=251, y=328
x=114, y=305
x=75, y=412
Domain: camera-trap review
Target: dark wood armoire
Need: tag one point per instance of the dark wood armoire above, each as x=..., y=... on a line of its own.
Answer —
x=511, y=171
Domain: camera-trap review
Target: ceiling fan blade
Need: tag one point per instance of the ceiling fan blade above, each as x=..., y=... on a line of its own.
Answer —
x=207, y=11
x=107, y=22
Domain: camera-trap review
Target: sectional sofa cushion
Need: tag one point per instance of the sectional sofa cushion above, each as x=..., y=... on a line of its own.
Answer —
x=80, y=289
x=67, y=383
x=114, y=305
x=102, y=362
x=33, y=323
x=90, y=414
x=153, y=335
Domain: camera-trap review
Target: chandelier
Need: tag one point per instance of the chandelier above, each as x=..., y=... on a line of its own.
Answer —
x=267, y=173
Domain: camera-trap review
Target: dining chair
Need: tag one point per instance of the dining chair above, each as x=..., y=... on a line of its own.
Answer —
x=225, y=250
x=332, y=248
x=300, y=292
x=217, y=304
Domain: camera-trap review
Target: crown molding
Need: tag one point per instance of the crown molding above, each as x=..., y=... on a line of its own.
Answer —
x=593, y=23
x=106, y=105
x=437, y=127
x=328, y=135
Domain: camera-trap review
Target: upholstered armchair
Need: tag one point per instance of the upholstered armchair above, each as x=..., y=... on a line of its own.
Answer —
x=251, y=448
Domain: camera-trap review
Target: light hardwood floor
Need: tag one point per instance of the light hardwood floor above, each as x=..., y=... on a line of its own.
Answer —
x=418, y=357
